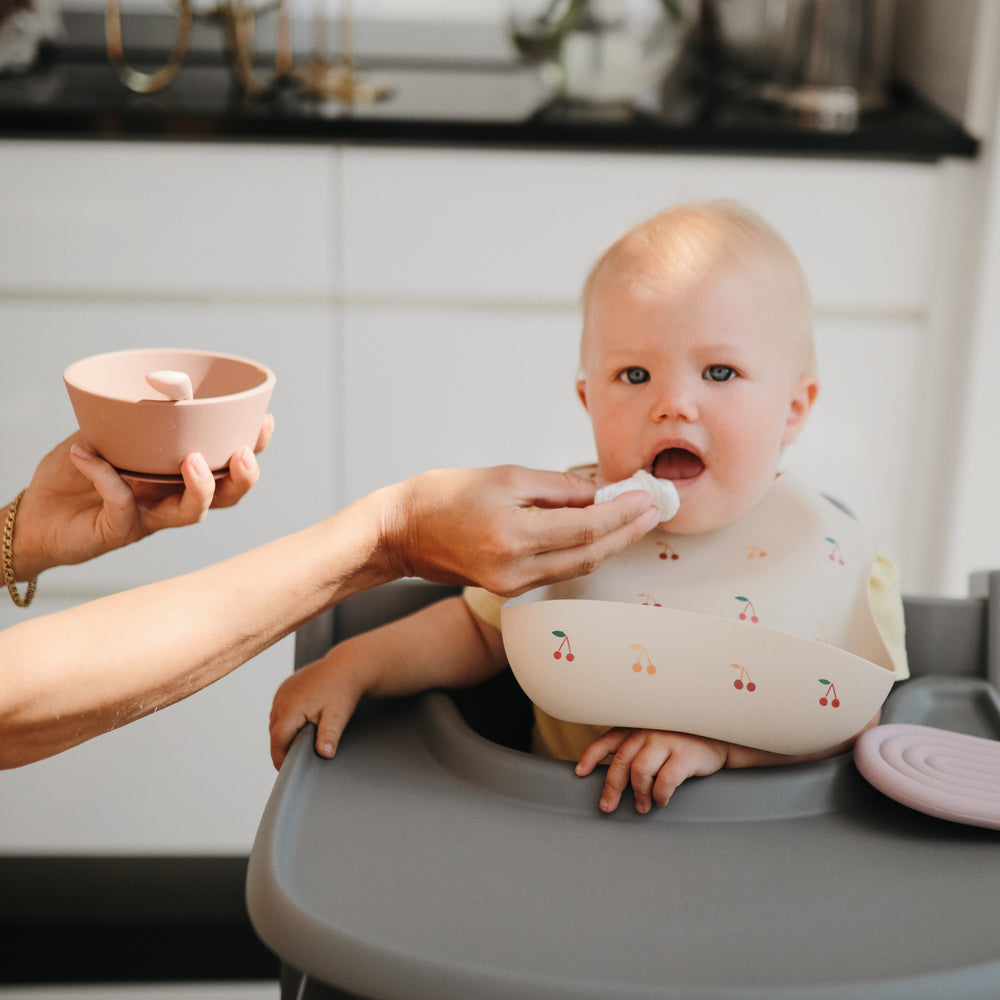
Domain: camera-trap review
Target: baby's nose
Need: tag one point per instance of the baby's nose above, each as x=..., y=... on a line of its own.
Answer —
x=675, y=401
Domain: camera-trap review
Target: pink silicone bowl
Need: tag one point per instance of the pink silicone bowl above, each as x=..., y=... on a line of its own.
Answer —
x=136, y=429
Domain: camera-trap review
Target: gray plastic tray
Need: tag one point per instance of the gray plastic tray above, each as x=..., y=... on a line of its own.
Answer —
x=427, y=862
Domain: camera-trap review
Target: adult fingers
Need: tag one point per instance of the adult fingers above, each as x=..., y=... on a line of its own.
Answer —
x=266, y=432
x=243, y=475
x=540, y=488
x=199, y=489
x=119, y=503
x=587, y=543
x=566, y=527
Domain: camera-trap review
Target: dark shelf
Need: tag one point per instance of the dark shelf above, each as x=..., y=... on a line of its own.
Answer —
x=481, y=98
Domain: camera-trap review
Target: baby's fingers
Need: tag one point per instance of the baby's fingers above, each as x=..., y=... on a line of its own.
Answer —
x=602, y=747
x=283, y=728
x=330, y=728
x=647, y=767
x=620, y=770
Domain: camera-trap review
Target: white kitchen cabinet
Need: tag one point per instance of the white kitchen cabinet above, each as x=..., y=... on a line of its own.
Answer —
x=419, y=309
x=221, y=248
x=496, y=226
x=439, y=386
x=216, y=221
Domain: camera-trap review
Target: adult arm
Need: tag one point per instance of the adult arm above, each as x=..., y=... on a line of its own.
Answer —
x=70, y=676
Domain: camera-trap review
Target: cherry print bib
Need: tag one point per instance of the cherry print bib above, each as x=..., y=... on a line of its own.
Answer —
x=796, y=563
x=773, y=608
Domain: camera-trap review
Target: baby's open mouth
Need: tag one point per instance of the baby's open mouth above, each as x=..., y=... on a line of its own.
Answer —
x=677, y=464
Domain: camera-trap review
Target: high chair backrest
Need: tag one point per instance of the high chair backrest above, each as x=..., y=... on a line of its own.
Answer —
x=363, y=612
x=956, y=636
x=953, y=636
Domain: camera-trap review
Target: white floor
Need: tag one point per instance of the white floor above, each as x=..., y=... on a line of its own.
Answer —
x=172, y=991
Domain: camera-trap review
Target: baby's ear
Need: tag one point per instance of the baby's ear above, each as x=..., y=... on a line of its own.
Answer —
x=581, y=391
x=801, y=404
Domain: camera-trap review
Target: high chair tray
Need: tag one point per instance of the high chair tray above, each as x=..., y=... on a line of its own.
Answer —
x=426, y=862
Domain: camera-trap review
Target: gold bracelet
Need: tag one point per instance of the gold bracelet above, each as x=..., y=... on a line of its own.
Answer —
x=8, y=558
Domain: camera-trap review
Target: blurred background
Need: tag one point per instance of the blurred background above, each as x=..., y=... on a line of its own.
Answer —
x=393, y=205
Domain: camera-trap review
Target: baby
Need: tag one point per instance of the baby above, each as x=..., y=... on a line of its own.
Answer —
x=698, y=367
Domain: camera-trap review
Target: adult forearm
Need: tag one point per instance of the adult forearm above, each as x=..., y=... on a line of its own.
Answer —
x=73, y=675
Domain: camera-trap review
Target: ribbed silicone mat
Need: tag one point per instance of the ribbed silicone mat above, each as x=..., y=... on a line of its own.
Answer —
x=944, y=774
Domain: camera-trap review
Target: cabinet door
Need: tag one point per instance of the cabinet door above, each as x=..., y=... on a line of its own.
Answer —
x=496, y=226
x=98, y=218
x=858, y=446
x=439, y=387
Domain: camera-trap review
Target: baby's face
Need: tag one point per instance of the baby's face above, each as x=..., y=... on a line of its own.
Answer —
x=697, y=383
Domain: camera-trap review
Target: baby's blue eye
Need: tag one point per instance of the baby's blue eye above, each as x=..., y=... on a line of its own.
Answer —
x=634, y=376
x=719, y=373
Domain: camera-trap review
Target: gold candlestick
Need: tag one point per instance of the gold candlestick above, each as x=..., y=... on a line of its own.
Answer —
x=318, y=79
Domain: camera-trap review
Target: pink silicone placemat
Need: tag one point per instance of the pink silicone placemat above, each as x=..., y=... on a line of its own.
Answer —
x=949, y=775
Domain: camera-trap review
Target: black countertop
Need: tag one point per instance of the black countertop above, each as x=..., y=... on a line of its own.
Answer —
x=453, y=85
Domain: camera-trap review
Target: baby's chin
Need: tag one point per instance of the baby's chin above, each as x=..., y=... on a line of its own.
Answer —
x=686, y=523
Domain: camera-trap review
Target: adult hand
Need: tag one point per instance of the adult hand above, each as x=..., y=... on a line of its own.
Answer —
x=78, y=507
x=508, y=529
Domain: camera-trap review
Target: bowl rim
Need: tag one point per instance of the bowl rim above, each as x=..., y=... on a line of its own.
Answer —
x=269, y=377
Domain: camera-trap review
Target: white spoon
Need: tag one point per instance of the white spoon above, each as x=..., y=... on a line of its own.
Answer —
x=173, y=385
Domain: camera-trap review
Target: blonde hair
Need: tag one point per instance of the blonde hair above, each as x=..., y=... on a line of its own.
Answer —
x=687, y=242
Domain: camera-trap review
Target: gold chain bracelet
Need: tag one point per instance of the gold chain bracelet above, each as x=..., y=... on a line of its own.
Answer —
x=8, y=557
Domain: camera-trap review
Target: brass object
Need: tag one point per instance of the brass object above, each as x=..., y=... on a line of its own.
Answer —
x=318, y=79
x=146, y=83
x=341, y=81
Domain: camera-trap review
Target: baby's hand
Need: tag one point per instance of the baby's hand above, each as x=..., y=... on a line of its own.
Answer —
x=325, y=693
x=656, y=763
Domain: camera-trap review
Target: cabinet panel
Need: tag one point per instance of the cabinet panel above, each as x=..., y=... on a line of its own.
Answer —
x=858, y=446
x=431, y=388
x=189, y=219
x=521, y=226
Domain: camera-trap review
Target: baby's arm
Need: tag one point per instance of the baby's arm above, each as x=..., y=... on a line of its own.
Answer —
x=656, y=762
x=442, y=645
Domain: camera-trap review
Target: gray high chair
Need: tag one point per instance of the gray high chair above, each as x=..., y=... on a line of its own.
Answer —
x=435, y=858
